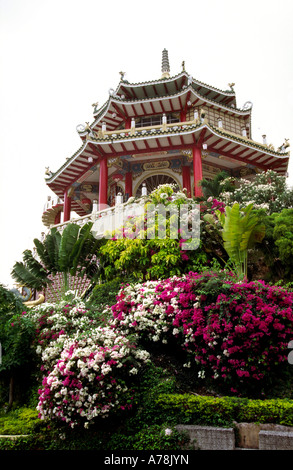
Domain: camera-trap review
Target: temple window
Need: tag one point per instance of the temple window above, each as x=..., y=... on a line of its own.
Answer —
x=155, y=120
x=219, y=119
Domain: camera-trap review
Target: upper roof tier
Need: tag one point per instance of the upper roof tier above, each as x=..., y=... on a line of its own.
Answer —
x=164, y=95
x=168, y=86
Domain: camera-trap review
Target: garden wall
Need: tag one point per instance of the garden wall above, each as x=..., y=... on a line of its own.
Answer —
x=242, y=436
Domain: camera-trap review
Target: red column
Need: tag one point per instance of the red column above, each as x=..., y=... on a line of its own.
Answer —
x=197, y=170
x=182, y=116
x=186, y=179
x=128, y=184
x=57, y=218
x=66, y=206
x=103, y=184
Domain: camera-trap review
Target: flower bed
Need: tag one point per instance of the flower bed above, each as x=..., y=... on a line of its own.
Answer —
x=238, y=336
x=89, y=370
x=89, y=379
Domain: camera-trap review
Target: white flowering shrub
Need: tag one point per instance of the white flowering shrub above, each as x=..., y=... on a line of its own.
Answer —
x=91, y=378
x=268, y=191
x=89, y=370
x=148, y=309
x=56, y=322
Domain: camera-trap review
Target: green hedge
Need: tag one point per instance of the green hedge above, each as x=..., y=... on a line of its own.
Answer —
x=222, y=411
x=146, y=428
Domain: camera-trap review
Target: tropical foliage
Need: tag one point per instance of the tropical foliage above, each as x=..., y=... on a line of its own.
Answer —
x=240, y=230
x=71, y=254
x=219, y=184
x=151, y=256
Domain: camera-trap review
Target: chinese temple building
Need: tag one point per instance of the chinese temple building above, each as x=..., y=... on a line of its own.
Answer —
x=174, y=129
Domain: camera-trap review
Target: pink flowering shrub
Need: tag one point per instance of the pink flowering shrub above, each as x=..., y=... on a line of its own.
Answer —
x=234, y=333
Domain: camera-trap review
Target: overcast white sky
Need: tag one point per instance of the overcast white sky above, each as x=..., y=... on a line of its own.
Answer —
x=60, y=56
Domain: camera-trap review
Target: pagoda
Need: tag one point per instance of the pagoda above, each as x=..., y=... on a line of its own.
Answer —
x=174, y=129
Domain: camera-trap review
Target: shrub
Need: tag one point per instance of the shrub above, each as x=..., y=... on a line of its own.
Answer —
x=54, y=323
x=222, y=411
x=268, y=191
x=238, y=337
x=92, y=378
x=20, y=421
x=104, y=294
x=88, y=369
x=16, y=334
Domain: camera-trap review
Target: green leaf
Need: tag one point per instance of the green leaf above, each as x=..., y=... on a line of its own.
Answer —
x=68, y=241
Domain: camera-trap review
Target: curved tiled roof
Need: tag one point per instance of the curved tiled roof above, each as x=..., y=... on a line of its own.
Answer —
x=172, y=79
x=173, y=130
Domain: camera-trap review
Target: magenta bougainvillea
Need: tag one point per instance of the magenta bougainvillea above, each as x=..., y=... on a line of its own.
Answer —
x=236, y=334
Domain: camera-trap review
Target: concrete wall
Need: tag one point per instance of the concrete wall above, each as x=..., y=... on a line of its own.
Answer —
x=241, y=436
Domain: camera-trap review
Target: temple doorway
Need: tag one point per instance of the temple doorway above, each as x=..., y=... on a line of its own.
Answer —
x=153, y=181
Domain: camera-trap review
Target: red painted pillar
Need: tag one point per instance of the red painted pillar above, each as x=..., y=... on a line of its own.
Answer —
x=103, y=184
x=66, y=206
x=128, y=184
x=186, y=179
x=183, y=116
x=197, y=170
x=57, y=218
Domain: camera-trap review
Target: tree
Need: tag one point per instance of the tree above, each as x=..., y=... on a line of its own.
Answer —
x=66, y=255
x=16, y=333
x=221, y=183
x=268, y=191
x=278, y=245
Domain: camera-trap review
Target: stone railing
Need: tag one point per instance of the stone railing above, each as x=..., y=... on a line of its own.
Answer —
x=135, y=131
x=52, y=202
x=108, y=218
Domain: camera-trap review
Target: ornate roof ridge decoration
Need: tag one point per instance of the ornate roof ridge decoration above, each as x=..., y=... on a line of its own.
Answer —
x=266, y=148
x=174, y=95
x=230, y=92
x=69, y=160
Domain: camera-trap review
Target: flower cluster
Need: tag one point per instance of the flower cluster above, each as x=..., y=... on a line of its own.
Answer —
x=88, y=370
x=268, y=191
x=54, y=323
x=239, y=334
x=89, y=378
x=150, y=308
x=216, y=205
